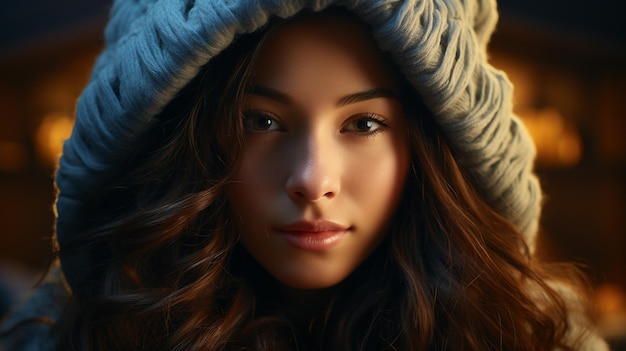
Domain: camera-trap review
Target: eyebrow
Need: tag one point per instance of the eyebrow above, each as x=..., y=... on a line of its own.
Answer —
x=283, y=98
x=370, y=94
x=270, y=93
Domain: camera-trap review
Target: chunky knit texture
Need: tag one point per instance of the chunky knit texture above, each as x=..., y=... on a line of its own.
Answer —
x=155, y=47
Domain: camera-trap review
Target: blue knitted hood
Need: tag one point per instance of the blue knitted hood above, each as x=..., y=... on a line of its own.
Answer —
x=155, y=47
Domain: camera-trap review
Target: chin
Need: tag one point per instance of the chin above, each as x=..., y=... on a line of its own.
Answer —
x=309, y=285
x=315, y=282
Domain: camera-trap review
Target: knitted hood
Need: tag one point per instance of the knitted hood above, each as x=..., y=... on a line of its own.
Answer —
x=155, y=47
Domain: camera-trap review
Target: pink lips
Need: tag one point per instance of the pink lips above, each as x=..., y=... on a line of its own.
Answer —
x=312, y=235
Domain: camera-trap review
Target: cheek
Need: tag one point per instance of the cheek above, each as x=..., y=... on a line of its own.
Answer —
x=377, y=178
x=258, y=178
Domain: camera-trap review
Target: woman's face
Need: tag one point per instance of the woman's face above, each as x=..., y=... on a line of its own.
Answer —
x=326, y=155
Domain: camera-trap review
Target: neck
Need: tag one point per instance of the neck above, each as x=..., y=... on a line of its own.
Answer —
x=301, y=307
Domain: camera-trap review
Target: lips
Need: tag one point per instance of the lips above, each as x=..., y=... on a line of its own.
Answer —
x=312, y=235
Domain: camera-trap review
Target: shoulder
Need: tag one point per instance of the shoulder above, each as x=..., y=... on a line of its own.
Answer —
x=29, y=326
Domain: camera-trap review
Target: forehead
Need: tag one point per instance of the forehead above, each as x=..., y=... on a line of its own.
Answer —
x=323, y=46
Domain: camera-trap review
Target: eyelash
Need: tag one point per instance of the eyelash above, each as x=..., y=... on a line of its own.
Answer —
x=370, y=117
x=249, y=115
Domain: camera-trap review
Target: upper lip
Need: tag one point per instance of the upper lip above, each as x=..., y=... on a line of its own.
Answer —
x=312, y=226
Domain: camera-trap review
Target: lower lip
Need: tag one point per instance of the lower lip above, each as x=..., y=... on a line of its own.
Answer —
x=313, y=241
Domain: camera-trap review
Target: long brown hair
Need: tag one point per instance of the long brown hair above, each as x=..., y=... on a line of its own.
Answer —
x=167, y=273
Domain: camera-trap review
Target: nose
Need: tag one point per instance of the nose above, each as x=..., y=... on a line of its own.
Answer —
x=315, y=172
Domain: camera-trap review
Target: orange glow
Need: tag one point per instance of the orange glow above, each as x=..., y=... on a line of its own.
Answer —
x=611, y=303
x=53, y=130
x=13, y=156
x=611, y=299
x=558, y=143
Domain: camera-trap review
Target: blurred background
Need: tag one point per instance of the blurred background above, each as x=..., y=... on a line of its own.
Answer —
x=566, y=58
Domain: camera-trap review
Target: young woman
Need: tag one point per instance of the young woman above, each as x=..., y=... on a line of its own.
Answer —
x=299, y=176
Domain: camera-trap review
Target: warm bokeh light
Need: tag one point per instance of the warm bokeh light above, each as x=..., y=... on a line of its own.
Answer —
x=558, y=143
x=611, y=302
x=53, y=130
x=546, y=101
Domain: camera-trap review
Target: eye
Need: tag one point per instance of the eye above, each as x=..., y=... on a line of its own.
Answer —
x=260, y=121
x=368, y=124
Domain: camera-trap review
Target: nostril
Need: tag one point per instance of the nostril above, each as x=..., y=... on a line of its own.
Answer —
x=309, y=194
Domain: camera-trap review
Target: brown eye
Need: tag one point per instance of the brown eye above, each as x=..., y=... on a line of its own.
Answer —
x=260, y=121
x=366, y=124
